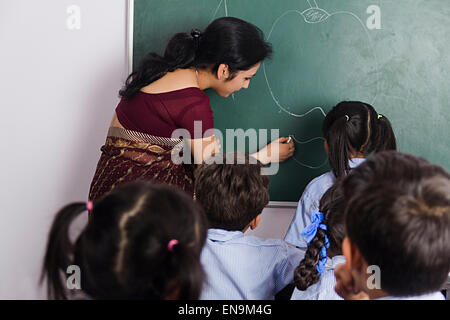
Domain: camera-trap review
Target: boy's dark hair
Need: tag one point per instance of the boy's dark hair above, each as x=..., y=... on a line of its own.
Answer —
x=232, y=41
x=123, y=252
x=398, y=215
x=232, y=194
x=355, y=127
x=332, y=206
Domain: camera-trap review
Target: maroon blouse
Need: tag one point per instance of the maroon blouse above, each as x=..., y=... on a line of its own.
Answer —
x=159, y=114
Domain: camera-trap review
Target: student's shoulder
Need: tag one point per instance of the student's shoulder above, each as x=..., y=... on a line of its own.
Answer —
x=266, y=242
x=275, y=246
x=319, y=184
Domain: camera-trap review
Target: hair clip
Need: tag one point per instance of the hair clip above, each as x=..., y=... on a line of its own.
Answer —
x=89, y=205
x=171, y=244
x=379, y=116
x=195, y=33
x=347, y=117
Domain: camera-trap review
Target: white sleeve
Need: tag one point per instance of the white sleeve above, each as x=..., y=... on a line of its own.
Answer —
x=302, y=218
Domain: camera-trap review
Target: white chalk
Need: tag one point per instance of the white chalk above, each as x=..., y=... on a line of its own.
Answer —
x=289, y=140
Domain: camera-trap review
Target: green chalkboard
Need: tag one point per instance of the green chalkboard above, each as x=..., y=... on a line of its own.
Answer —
x=392, y=54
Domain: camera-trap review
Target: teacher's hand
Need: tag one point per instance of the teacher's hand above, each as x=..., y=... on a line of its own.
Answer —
x=269, y=153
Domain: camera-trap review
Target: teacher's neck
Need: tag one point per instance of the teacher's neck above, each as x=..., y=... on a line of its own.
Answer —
x=205, y=78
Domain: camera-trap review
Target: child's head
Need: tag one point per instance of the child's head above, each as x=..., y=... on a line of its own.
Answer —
x=332, y=206
x=398, y=218
x=143, y=242
x=232, y=194
x=354, y=129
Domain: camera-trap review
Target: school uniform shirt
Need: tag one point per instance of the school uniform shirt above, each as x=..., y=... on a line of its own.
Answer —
x=324, y=288
x=309, y=203
x=240, y=267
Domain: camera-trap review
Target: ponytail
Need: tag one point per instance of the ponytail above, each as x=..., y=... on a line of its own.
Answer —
x=330, y=234
x=59, y=253
x=306, y=274
x=227, y=40
x=385, y=138
x=179, y=54
x=186, y=268
x=338, y=147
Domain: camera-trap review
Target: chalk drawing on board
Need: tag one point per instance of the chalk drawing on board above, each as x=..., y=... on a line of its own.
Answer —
x=218, y=7
x=306, y=142
x=315, y=15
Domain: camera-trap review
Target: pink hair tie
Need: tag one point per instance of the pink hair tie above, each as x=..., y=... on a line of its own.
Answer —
x=89, y=205
x=171, y=244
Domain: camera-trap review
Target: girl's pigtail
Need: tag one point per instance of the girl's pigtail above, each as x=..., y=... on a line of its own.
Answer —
x=59, y=250
x=192, y=273
x=306, y=274
x=338, y=147
x=385, y=135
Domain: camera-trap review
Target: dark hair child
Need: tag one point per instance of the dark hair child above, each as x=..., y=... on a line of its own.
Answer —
x=240, y=266
x=352, y=130
x=397, y=220
x=143, y=241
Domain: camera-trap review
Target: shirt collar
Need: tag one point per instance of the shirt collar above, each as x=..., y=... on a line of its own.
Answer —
x=335, y=261
x=352, y=163
x=223, y=235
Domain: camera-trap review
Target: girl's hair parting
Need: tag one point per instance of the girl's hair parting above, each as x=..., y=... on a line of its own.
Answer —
x=143, y=241
x=398, y=216
x=231, y=41
x=332, y=206
x=354, y=127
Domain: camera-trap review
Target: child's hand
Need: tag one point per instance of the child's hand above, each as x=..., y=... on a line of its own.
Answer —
x=285, y=151
x=346, y=286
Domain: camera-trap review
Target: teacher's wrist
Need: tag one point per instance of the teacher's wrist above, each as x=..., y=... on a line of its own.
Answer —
x=261, y=157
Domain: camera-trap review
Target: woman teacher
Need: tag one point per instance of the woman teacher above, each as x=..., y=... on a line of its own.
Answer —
x=165, y=93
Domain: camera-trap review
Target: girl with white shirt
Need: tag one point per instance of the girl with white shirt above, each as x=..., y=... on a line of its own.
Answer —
x=314, y=277
x=352, y=131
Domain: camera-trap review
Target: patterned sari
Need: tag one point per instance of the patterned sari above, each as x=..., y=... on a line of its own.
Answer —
x=130, y=155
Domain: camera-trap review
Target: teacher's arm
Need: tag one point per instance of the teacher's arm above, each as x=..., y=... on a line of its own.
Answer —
x=204, y=148
x=277, y=151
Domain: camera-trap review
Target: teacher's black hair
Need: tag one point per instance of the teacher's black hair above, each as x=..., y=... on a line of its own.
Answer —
x=228, y=40
x=123, y=251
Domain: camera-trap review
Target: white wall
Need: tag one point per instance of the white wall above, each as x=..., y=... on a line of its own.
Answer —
x=58, y=92
x=274, y=222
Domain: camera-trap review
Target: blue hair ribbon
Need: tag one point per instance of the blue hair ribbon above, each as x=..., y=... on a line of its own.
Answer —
x=309, y=234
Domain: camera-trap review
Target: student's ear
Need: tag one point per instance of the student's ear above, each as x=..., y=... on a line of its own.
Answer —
x=353, y=257
x=254, y=223
x=223, y=72
x=325, y=146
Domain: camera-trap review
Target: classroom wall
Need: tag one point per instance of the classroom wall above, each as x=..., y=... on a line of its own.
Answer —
x=58, y=89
